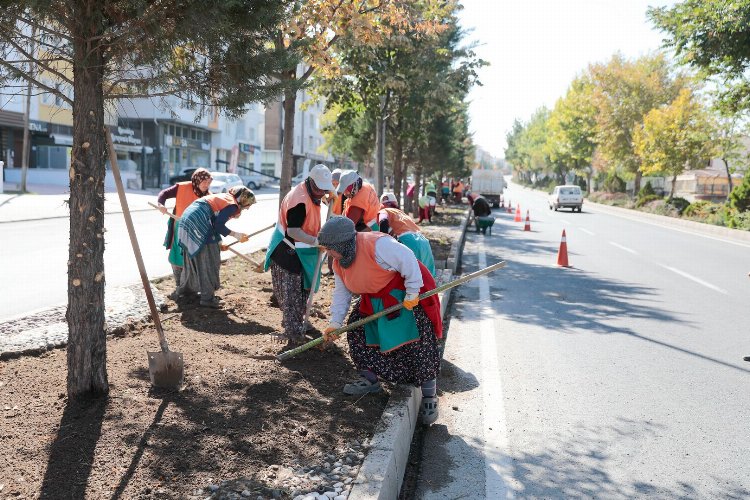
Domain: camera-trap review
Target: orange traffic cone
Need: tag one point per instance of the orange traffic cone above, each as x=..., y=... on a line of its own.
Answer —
x=518, y=213
x=562, y=253
x=502, y=203
x=510, y=207
x=527, y=226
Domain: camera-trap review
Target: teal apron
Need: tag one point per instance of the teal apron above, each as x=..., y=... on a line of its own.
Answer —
x=420, y=245
x=307, y=255
x=389, y=334
x=175, y=251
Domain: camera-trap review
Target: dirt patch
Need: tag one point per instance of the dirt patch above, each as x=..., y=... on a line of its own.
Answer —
x=244, y=424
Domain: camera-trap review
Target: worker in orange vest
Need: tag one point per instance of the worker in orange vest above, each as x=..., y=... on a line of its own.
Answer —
x=184, y=193
x=401, y=347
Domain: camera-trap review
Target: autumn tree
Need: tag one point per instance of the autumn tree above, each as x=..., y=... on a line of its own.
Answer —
x=624, y=92
x=208, y=53
x=674, y=138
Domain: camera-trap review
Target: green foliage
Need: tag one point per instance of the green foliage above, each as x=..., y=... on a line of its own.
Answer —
x=680, y=204
x=739, y=198
x=647, y=190
x=613, y=183
x=643, y=200
x=741, y=221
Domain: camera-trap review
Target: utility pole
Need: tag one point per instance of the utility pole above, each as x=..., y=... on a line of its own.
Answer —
x=26, y=153
x=380, y=146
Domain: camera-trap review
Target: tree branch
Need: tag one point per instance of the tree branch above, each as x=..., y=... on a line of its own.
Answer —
x=27, y=77
x=45, y=67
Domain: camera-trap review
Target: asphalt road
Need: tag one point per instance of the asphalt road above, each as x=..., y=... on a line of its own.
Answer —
x=620, y=377
x=35, y=253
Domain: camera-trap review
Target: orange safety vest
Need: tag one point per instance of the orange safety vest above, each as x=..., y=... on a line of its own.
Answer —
x=400, y=222
x=185, y=196
x=220, y=201
x=296, y=196
x=366, y=199
x=365, y=275
x=338, y=206
x=459, y=188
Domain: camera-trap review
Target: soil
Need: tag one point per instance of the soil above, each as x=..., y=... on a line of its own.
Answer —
x=240, y=414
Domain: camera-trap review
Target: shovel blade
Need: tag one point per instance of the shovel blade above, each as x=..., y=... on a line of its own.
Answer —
x=166, y=369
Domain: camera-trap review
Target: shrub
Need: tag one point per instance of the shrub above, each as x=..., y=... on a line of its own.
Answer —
x=700, y=209
x=739, y=199
x=613, y=183
x=680, y=204
x=643, y=200
x=647, y=190
x=741, y=221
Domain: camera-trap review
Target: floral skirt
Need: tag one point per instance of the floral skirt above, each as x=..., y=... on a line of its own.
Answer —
x=412, y=363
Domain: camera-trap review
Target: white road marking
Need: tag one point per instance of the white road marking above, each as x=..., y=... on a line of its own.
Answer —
x=497, y=465
x=623, y=248
x=583, y=230
x=565, y=222
x=697, y=280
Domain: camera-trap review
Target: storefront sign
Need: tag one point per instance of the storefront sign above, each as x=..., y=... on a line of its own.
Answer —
x=37, y=126
x=124, y=135
x=247, y=148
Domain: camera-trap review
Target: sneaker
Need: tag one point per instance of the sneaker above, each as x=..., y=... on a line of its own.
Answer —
x=361, y=386
x=214, y=303
x=429, y=411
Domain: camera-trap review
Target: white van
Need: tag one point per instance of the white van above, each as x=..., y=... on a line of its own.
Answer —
x=566, y=196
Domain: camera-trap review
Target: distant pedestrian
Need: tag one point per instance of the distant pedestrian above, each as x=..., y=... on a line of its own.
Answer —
x=184, y=193
x=203, y=224
x=362, y=203
x=292, y=253
x=392, y=220
x=482, y=212
x=402, y=347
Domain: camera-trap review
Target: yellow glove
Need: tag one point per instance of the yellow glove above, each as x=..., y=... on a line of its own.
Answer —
x=410, y=301
x=328, y=335
x=243, y=238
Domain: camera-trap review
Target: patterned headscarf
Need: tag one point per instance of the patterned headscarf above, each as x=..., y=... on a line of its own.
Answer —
x=339, y=235
x=199, y=176
x=242, y=195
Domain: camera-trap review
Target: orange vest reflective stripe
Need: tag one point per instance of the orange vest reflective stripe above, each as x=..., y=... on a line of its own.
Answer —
x=298, y=195
x=185, y=196
x=366, y=199
x=365, y=275
x=220, y=201
x=400, y=222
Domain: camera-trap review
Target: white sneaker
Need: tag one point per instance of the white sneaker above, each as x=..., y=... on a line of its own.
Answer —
x=429, y=411
x=362, y=386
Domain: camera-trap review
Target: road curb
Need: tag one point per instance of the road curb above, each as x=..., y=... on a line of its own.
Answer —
x=382, y=471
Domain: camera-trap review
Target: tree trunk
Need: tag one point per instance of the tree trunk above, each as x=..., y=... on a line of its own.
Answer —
x=398, y=177
x=287, y=148
x=671, y=193
x=415, y=194
x=729, y=177
x=87, y=348
x=637, y=183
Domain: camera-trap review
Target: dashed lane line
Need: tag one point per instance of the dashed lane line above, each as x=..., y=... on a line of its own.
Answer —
x=697, y=280
x=629, y=250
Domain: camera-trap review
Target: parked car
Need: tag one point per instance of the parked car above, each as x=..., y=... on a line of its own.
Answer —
x=254, y=180
x=184, y=175
x=222, y=182
x=566, y=196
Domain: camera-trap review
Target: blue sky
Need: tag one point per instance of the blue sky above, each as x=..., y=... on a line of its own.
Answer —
x=536, y=47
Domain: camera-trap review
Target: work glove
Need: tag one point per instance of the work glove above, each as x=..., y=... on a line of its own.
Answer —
x=328, y=335
x=411, y=300
x=243, y=237
x=224, y=247
x=163, y=209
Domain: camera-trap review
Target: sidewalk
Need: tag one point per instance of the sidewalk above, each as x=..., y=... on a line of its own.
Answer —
x=44, y=201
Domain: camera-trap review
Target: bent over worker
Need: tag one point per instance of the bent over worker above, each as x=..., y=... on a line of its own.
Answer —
x=293, y=252
x=184, y=193
x=362, y=203
x=401, y=347
x=392, y=220
x=201, y=227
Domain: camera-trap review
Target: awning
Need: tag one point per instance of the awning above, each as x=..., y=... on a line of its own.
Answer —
x=129, y=148
x=11, y=119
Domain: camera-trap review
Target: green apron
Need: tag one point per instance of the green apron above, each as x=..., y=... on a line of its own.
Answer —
x=389, y=334
x=175, y=251
x=418, y=244
x=308, y=257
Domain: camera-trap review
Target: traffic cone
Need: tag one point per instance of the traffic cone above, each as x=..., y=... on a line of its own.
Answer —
x=502, y=203
x=510, y=207
x=518, y=213
x=562, y=253
x=527, y=226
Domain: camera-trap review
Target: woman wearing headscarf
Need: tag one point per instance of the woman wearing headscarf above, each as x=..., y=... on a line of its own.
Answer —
x=392, y=220
x=362, y=203
x=184, y=193
x=293, y=251
x=202, y=225
x=401, y=347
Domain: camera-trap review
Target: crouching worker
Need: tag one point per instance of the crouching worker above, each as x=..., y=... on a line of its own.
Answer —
x=482, y=212
x=401, y=347
x=201, y=227
x=401, y=226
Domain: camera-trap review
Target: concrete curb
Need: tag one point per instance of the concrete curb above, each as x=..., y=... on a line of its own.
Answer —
x=382, y=471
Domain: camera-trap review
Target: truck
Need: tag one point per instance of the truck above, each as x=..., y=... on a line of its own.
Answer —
x=489, y=183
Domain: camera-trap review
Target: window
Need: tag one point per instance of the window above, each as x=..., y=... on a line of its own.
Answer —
x=251, y=134
x=240, y=131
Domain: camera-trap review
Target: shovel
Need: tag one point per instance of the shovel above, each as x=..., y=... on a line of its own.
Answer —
x=318, y=269
x=166, y=368
x=351, y=326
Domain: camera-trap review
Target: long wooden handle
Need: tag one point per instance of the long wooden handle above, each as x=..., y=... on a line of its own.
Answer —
x=351, y=326
x=318, y=268
x=134, y=243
